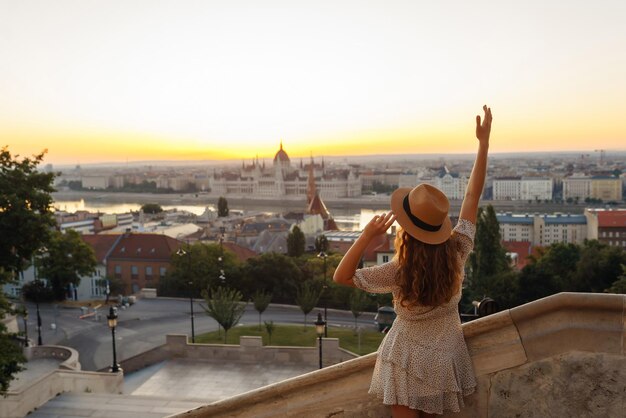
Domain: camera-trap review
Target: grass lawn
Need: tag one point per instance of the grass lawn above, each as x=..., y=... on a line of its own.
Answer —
x=297, y=335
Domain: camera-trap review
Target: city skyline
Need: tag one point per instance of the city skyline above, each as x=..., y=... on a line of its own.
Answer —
x=115, y=82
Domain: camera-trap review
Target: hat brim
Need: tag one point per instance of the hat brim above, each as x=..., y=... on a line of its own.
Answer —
x=437, y=237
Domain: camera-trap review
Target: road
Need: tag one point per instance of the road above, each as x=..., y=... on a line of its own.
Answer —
x=145, y=324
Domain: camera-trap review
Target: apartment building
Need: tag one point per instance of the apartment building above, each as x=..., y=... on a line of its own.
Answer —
x=607, y=226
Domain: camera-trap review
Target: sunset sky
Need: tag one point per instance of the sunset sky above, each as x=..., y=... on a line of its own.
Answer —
x=96, y=81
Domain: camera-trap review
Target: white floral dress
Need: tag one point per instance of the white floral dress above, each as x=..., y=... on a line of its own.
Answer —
x=423, y=361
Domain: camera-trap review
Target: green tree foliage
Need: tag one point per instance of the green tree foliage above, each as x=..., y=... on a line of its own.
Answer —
x=599, y=267
x=199, y=265
x=116, y=286
x=321, y=244
x=619, y=285
x=489, y=256
x=151, y=208
x=358, y=302
x=11, y=360
x=271, y=272
x=307, y=297
x=25, y=222
x=488, y=263
x=25, y=209
x=66, y=259
x=261, y=301
x=224, y=305
x=295, y=242
x=36, y=291
x=222, y=207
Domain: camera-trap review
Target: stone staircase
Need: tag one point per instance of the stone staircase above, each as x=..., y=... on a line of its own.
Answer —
x=111, y=406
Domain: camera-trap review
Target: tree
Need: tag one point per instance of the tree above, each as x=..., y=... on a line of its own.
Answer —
x=25, y=222
x=222, y=207
x=271, y=272
x=224, y=305
x=358, y=303
x=488, y=262
x=307, y=297
x=37, y=292
x=599, y=267
x=151, y=208
x=66, y=259
x=321, y=244
x=111, y=286
x=295, y=242
x=619, y=285
x=261, y=301
x=198, y=264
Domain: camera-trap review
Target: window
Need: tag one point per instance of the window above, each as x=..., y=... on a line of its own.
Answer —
x=118, y=271
x=385, y=258
x=162, y=271
x=134, y=271
x=148, y=270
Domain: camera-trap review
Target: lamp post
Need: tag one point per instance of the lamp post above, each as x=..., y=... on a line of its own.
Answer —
x=112, y=322
x=221, y=257
x=193, y=332
x=320, y=326
x=323, y=255
x=182, y=253
x=25, y=317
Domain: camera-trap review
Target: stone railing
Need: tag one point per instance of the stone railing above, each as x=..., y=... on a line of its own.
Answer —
x=67, y=378
x=252, y=350
x=563, y=355
x=66, y=355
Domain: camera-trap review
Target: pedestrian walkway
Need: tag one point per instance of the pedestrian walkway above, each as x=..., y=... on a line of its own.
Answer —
x=210, y=381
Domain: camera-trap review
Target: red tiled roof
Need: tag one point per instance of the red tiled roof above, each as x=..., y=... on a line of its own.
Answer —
x=523, y=249
x=612, y=219
x=379, y=242
x=145, y=247
x=101, y=244
x=242, y=253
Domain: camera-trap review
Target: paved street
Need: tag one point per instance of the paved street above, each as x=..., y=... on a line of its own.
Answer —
x=145, y=324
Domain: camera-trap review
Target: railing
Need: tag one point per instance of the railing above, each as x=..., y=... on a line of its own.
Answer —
x=563, y=355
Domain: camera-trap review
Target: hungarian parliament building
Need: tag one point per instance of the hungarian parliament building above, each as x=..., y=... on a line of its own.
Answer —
x=284, y=179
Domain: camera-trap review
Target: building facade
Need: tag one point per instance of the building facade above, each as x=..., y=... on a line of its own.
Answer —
x=284, y=179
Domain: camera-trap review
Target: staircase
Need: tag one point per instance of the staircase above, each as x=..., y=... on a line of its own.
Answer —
x=111, y=406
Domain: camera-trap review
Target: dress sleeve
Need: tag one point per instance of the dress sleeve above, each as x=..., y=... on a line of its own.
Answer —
x=465, y=231
x=376, y=279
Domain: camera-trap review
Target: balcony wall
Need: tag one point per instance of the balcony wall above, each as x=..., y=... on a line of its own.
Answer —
x=563, y=355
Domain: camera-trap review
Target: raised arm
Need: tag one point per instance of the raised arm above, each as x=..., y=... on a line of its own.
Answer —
x=469, y=208
x=350, y=261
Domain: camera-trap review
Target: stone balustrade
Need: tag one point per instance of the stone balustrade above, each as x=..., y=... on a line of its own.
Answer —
x=563, y=355
x=66, y=355
x=18, y=403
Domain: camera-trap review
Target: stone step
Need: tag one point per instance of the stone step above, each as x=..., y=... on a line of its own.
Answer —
x=72, y=405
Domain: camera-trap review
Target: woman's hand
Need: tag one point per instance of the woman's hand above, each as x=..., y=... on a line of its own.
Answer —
x=378, y=225
x=484, y=129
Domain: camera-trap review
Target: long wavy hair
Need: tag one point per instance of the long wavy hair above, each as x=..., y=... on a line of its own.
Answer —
x=429, y=274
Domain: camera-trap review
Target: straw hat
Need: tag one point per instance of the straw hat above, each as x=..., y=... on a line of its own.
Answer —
x=423, y=213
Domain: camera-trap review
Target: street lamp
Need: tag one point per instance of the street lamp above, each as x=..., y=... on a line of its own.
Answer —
x=112, y=321
x=323, y=255
x=320, y=326
x=221, y=257
x=182, y=253
x=25, y=317
x=41, y=251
